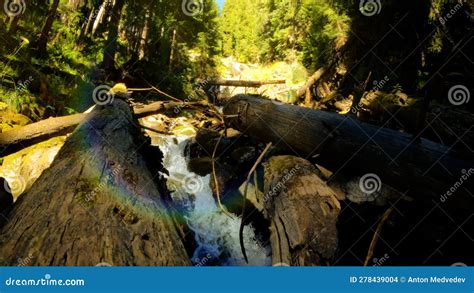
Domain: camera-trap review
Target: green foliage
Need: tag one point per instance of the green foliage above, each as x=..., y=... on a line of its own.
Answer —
x=269, y=30
x=76, y=44
x=240, y=26
x=327, y=30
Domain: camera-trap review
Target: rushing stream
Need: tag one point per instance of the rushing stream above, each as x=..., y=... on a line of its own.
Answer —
x=217, y=235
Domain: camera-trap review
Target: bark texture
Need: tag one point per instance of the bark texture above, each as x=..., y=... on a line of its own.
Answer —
x=341, y=143
x=97, y=203
x=302, y=210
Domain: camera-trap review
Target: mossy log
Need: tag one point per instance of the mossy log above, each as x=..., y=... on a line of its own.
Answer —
x=97, y=203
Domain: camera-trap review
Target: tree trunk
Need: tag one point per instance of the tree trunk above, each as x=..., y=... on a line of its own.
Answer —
x=43, y=40
x=340, y=143
x=173, y=44
x=144, y=37
x=302, y=211
x=86, y=28
x=100, y=15
x=111, y=43
x=97, y=203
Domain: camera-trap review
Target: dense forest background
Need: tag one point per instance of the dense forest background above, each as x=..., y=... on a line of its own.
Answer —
x=55, y=53
x=404, y=67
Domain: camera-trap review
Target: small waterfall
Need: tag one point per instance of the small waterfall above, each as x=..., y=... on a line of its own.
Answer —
x=217, y=235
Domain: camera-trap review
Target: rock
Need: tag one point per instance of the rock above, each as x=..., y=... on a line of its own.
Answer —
x=3, y=106
x=21, y=169
x=228, y=181
x=207, y=140
x=186, y=130
x=231, y=132
x=244, y=154
x=201, y=166
x=14, y=119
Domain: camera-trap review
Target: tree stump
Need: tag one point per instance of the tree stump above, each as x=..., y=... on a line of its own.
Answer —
x=302, y=210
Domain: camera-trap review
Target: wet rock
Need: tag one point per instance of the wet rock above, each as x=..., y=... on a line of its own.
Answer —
x=244, y=155
x=10, y=120
x=21, y=169
x=207, y=140
x=3, y=106
x=201, y=166
x=225, y=176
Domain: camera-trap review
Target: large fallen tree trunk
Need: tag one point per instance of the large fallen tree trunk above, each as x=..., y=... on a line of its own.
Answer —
x=340, y=143
x=20, y=138
x=302, y=211
x=245, y=83
x=97, y=203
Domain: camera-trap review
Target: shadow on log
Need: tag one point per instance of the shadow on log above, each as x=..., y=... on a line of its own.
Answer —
x=97, y=203
x=341, y=143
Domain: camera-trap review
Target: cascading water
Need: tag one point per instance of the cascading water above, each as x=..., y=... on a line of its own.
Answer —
x=217, y=235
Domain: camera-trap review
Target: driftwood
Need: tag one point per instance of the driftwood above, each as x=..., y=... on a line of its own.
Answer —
x=97, y=203
x=20, y=138
x=341, y=143
x=244, y=83
x=302, y=211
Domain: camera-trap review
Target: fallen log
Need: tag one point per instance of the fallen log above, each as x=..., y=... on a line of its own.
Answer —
x=302, y=211
x=97, y=203
x=341, y=143
x=311, y=81
x=20, y=138
x=28, y=135
x=244, y=83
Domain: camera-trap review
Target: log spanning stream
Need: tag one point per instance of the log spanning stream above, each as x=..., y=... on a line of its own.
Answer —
x=216, y=234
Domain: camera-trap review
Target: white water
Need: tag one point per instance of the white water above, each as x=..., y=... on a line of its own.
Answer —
x=217, y=235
